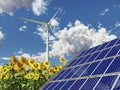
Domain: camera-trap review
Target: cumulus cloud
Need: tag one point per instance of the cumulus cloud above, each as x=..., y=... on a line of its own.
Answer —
x=23, y=28
x=104, y=12
x=78, y=38
x=1, y=37
x=38, y=6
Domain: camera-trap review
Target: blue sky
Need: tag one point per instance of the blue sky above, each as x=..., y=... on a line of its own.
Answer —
x=79, y=25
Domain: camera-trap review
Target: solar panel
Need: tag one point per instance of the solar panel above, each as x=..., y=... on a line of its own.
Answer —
x=97, y=68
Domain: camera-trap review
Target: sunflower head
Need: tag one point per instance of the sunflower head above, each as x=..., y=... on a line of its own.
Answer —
x=13, y=59
x=63, y=60
x=23, y=60
x=31, y=61
x=36, y=76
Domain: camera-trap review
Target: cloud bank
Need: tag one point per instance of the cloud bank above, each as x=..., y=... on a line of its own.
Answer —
x=77, y=38
x=38, y=6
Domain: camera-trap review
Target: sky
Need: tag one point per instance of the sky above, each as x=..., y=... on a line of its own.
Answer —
x=79, y=25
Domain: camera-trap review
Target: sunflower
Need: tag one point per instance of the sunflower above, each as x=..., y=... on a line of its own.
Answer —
x=60, y=67
x=5, y=69
x=36, y=76
x=31, y=75
x=31, y=61
x=14, y=59
x=46, y=64
x=63, y=60
x=23, y=60
x=6, y=76
x=35, y=66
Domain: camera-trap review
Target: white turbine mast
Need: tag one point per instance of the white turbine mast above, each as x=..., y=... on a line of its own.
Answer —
x=47, y=26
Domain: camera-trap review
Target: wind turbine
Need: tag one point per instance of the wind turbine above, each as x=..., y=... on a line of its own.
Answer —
x=47, y=26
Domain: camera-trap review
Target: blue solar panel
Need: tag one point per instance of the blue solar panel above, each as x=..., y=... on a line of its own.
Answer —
x=97, y=68
x=102, y=67
x=77, y=84
x=106, y=83
x=90, y=83
x=90, y=69
x=58, y=86
x=117, y=86
x=103, y=53
x=67, y=85
x=115, y=66
x=79, y=71
x=93, y=57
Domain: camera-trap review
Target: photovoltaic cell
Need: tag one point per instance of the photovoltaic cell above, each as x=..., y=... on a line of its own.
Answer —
x=106, y=83
x=102, y=54
x=97, y=68
x=115, y=66
x=102, y=67
x=90, y=69
x=90, y=84
x=77, y=84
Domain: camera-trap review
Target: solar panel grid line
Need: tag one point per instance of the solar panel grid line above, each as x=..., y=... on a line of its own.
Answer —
x=115, y=82
x=87, y=77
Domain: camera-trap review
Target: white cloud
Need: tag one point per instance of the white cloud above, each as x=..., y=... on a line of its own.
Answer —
x=104, y=12
x=78, y=38
x=23, y=28
x=38, y=6
x=4, y=58
x=1, y=37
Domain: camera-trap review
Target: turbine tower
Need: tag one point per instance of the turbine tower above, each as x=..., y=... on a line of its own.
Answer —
x=47, y=26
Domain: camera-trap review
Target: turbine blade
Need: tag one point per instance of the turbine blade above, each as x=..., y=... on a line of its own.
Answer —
x=52, y=31
x=34, y=21
x=54, y=15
